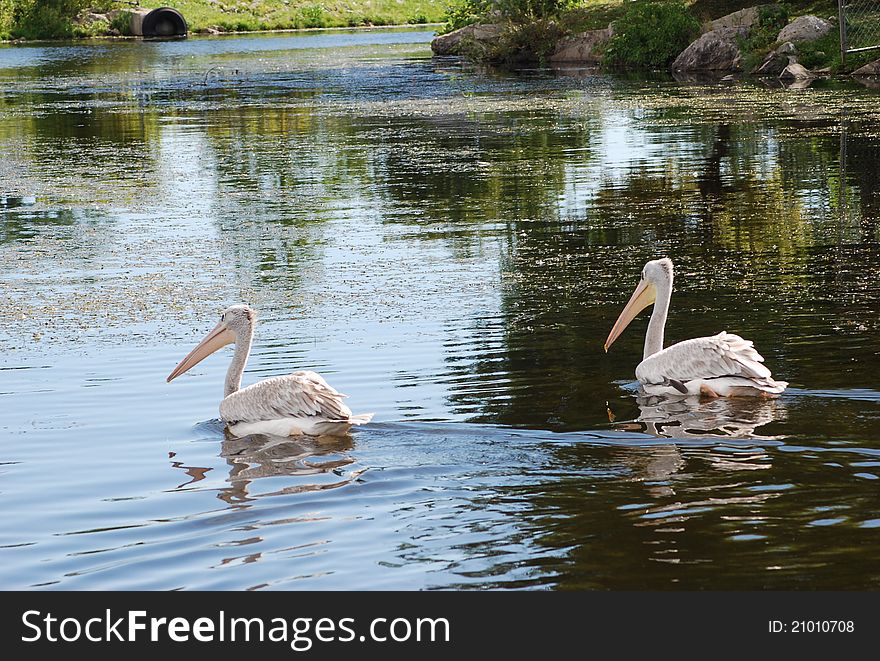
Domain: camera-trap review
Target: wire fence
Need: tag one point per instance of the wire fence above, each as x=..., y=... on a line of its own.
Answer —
x=859, y=25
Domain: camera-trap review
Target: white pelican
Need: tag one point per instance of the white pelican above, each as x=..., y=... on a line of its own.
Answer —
x=290, y=405
x=724, y=365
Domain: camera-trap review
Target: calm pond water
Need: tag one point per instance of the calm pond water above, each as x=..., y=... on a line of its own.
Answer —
x=449, y=246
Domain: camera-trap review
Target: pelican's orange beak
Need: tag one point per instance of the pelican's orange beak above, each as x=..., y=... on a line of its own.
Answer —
x=644, y=295
x=216, y=339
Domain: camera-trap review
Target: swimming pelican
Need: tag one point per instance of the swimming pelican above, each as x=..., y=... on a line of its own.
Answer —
x=290, y=405
x=724, y=365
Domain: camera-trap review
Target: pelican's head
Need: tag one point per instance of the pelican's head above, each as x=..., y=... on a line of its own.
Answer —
x=657, y=274
x=235, y=321
x=238, y=318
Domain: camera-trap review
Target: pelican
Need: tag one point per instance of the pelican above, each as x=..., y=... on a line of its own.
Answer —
x=724, y=365
x=290, y=405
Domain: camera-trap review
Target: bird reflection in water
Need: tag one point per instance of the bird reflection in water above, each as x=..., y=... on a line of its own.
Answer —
x=683, y=418
x=311, y=463
x=257, y=457
x=700, y=473
x=723, y=432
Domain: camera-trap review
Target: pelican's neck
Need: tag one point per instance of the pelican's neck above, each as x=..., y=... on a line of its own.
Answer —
x=654, y=336
x=239, y=360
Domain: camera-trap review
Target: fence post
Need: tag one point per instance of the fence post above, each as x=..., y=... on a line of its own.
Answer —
x=841, y=13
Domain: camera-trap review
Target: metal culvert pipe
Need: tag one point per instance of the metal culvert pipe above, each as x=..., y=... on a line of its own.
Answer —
x=161, y=23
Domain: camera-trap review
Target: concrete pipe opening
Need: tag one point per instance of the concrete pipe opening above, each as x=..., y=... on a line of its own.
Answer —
x=163, y=23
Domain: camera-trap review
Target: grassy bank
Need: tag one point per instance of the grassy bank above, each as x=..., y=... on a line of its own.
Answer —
x=53, y=19
x=649, y=34
x=235, y=15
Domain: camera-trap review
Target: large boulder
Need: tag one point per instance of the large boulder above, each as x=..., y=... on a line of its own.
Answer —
x=804, y=28
x=716, y=50
x=870, y=69
x=585, y=47
x=453, y=42
x=744, y=18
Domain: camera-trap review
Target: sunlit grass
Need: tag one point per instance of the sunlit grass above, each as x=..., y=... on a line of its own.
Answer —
x=242, y=15
x=57, y=19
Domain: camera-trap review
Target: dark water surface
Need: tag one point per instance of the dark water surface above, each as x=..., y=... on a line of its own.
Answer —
x=450, y=246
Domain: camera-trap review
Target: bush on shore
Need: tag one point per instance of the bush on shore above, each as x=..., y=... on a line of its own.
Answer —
x=650, y=34
x=525, y=42
x=48, y=19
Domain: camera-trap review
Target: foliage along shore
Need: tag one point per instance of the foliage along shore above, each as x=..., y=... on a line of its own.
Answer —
x=77, y=19
x=645, y=34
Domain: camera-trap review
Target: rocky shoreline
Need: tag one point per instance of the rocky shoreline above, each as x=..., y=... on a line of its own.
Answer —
x=717, y=52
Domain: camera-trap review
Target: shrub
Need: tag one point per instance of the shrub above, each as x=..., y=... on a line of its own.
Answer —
x=90, y=29
x=7, y=10
x=463, y=12
x=48, y=19
x=314, y=16
x=771, y=19
x=122, y=23
x=526, y=10
x=520, y=43
x=650, y=34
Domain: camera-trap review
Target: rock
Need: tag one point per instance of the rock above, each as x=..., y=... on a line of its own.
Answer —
x=795, y=72
x=773, y=65
x=716, y=50
x=871, y=82
x=804, y=28
x=88, y=17
x=776, y=61
x=870, y=69
x=451, y=43
x=744, y=18
x=585, y=47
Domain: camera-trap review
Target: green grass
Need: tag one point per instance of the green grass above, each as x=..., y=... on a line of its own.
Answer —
x=238, y=16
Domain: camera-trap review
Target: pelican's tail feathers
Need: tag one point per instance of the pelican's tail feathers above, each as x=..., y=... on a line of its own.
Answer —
x=361, y=419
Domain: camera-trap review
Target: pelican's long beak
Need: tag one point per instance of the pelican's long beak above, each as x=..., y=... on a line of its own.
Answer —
x=644, y=295
x=216, y=339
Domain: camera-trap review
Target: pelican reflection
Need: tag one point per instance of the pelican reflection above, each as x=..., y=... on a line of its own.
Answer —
x=679, y=418
x=284, y=464
x=704, y=429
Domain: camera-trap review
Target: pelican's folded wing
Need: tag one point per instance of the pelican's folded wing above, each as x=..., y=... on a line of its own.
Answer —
x=724, y=354
x=297, y=395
